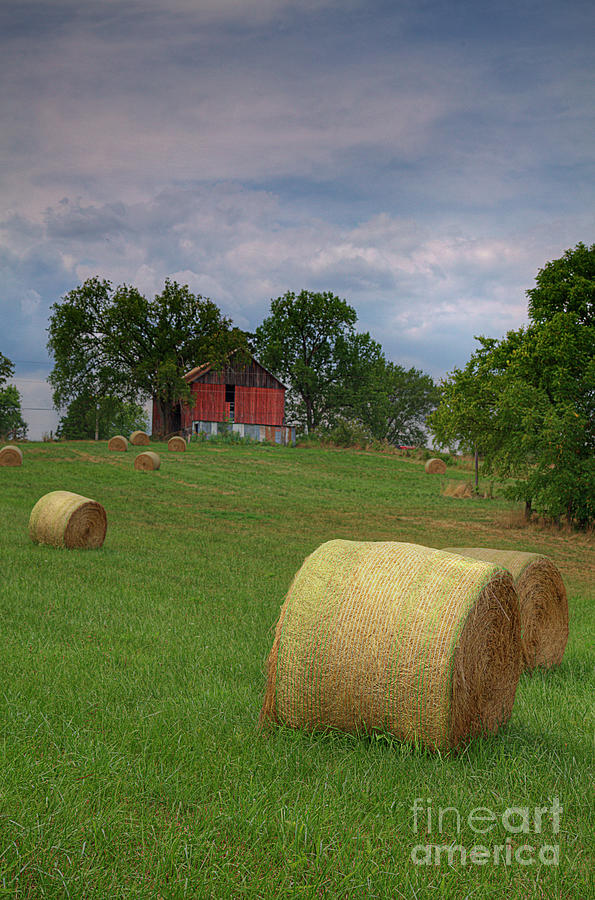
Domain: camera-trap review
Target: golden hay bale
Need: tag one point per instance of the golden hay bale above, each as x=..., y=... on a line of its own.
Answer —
x=147, y=461
x=177, y=445
x=462, y=490
x=139, y=439
x=118, y=443
x=542, y=602
x=11, y=456
x=68, y=520
x=395, y=637
x=435, y=466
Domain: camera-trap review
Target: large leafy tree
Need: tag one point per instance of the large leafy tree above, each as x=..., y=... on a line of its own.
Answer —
x=401, y=403
x=116, y=343
x=306, y=341
x=12, y=425
x=528, y=400
x=83, y=373
x=157, y=341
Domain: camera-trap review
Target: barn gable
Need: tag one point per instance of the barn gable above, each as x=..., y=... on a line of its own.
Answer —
x=250, y=374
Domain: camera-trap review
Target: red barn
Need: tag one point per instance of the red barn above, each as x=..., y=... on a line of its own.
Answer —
x=246, y=397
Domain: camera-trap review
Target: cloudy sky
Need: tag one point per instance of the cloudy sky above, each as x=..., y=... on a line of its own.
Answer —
x=420, y=158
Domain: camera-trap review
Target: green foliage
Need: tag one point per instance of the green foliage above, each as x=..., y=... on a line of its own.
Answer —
x=566, y=285
x=6, y=369
x=347, y=434
x=399, y=402
x=118, y=343
x=12, y=425
x=305, y=341
x=109, y=415
x=527, y=402
x=337, y=375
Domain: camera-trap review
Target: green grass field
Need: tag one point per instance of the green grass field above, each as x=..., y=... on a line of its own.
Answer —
x=132, y=678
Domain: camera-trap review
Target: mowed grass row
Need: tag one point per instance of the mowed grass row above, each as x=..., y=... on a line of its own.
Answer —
x=131, y=681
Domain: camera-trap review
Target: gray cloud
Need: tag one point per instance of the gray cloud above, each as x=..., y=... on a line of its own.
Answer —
x=423, y=161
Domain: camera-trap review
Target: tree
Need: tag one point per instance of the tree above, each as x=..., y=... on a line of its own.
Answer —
x=464, y=418
x=529, y=399
x=391, y=403
x=400, y=401
x=565, y=285
x=83, y=372
x=156, y=342
x=85, y=418
x=12, y=425
x=304, y=341
x=130, y=348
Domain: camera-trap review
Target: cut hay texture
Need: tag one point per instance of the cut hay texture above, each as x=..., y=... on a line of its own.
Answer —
x=139, y=439
x=395, y=637
x=435, y=466
x=118, y=444
x=542, y=601
x=462, y=490
x=176, y=445
x=147, y=461
x=63, y=519
x=11, y=456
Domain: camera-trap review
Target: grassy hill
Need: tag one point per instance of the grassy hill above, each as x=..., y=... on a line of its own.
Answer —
x=131, y=680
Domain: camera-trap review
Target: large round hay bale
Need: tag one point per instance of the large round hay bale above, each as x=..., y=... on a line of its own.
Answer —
x=176, y=445
x=395, y=637
x=542, y=602
x=11, y=456
x=118, y=444
x=139, y=439
x=64, y=519
x=147, y=461
x=435, y=466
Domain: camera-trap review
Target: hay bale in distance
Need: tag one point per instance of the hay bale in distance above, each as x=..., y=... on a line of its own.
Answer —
x=462, y=490
x=64, y=519
x=139, y=439
x=543, y=602
x=395, y=637
x=148, y=461
x=176, y=444
x=435, y=466
x=118, y=444
x=11, y=456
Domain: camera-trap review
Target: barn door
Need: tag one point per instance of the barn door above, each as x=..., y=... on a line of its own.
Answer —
x=230, y=401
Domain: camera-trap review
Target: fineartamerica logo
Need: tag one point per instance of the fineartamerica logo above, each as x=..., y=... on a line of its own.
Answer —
x=481, y=820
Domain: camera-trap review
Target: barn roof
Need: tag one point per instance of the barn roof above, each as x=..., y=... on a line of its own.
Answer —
x=198, y=371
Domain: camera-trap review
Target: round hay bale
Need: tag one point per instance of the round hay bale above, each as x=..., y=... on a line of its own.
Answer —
x=543, y=602
x=398, y=638
x=118, y=443
x=435, y=466
x=147, y=461
x=139, y=439
x=11, y=456
x=176, y=445
x=63, y=519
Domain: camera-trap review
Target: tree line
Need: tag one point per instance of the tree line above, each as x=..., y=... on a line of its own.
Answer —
x=526, y=403
x=114, y=348
x=522, y=404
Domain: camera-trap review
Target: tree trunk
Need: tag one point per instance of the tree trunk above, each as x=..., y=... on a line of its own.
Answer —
x=528, y=510
x=476, y=469
x=97, y=421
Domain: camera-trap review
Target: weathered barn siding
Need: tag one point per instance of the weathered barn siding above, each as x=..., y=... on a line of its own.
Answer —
x=248, y=396
x=209, y=402
x=259, y=406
